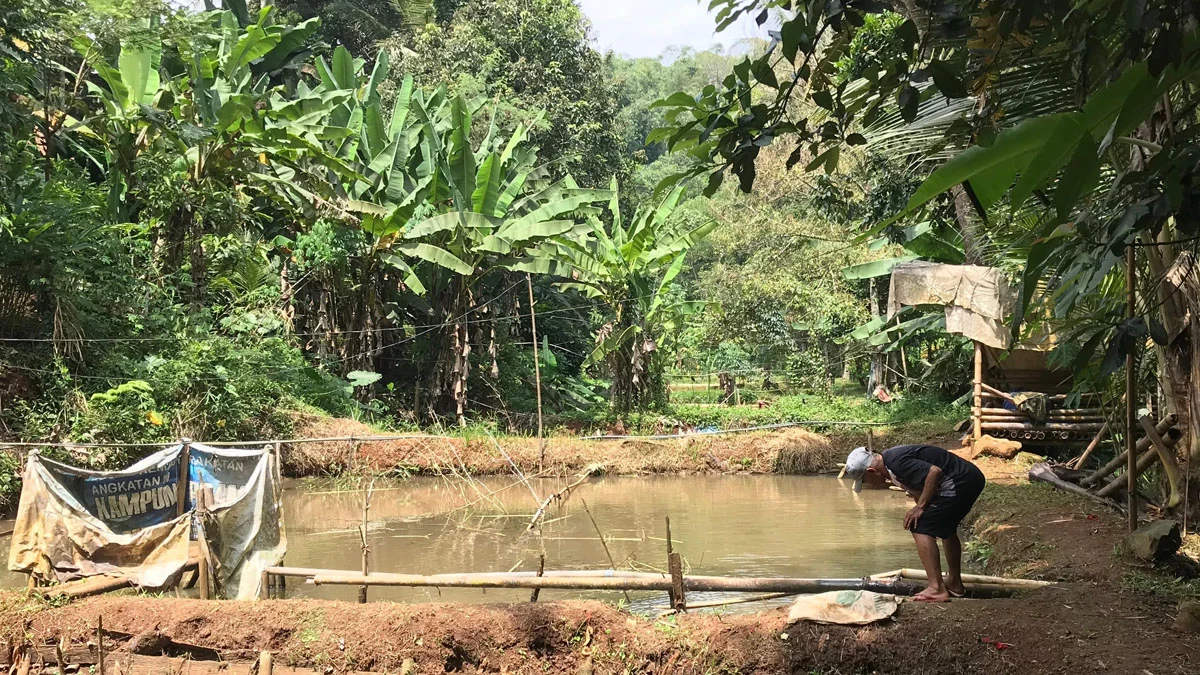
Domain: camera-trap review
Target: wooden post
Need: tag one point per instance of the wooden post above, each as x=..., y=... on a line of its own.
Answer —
x=1099, y=438
x=264, y=663
x=977, y=405
x=675, y=567
x=204, y=500
x=278, y=465
x=351, y=454
x=537, y=374
x=533, y=597
x=1130, y=396
x=264, y=586
x=181, y=487
x=100, y=645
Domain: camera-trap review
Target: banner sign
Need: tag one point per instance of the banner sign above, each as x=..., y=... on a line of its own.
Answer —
x=126, y=501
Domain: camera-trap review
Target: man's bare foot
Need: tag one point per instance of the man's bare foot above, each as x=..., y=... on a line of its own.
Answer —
x=956, y=589
x=932, y=595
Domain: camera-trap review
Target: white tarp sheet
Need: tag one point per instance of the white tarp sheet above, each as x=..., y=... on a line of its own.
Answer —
x=977, y=299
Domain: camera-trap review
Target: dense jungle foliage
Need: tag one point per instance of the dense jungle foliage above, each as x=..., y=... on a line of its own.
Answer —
x=212, y=222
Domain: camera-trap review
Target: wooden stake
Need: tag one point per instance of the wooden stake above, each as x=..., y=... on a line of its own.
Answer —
x=537, y=373
x=265, y=666
x=1130, y=396
x=181, y=486
x=977, y=405
x=1096, y=441
x=264, y=585
x=541, y=570
x=100, y=645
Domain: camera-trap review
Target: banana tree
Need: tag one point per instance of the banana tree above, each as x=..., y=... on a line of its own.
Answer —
x=631, y=272
x=484, y=209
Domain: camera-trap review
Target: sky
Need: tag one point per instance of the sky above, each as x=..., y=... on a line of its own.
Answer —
x=647, y=27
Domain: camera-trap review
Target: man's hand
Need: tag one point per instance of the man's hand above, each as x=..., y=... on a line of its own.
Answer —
x=911, y=518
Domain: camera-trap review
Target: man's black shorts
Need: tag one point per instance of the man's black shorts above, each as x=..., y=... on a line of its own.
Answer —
x=943, y=515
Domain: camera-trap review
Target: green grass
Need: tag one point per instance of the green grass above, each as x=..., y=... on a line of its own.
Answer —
x=1161, y=586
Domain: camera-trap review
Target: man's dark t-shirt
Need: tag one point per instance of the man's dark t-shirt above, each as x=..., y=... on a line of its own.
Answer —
x=909, y=465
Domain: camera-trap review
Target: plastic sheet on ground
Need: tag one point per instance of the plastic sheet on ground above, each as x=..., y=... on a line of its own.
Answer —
x=847, y=608
x=73, y=523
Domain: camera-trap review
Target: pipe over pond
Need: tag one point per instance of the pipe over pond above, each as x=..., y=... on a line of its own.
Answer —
x=691, y=583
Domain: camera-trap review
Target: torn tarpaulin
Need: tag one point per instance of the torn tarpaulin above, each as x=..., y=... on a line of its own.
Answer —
x=74, y=523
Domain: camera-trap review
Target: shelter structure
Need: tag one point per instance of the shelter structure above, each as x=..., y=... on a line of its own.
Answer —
x=187, y=506
x=1017, y=393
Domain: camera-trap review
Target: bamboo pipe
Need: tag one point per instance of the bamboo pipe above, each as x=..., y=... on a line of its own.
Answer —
x=1144, y=461
x=588, y=574
x=1021, y=419
x=1163, y=427
x=1049, y=426
x=921, y=575
x=691, y=583
x=1055, y=411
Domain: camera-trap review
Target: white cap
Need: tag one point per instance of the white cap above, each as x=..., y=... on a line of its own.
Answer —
x=857, y=464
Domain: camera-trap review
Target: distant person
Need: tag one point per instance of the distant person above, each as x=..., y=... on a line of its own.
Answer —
x=945, y=487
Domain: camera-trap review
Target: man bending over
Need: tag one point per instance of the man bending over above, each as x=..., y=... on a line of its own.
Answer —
x=945, y=487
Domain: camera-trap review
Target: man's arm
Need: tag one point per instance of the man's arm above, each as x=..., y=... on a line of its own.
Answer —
x=932, y=480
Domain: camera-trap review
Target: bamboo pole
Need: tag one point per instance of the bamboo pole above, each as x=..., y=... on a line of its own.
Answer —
x=708, y=604
x=362, y=533
x=265, y=665
x=977, y=405
x=677, y=595
x=610, y=573
x=204, y=499
x=1163, y=427
x=1130, y=396
x=264, y=584
x=691, y=583
x=537, y=373
x=1049, y=426
x=1144, y=461
x=1096, y=441
x=1167, y=458
x=921, y=575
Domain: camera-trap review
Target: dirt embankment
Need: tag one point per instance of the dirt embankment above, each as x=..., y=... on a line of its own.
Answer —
x=1094, y=621
x=791, y=450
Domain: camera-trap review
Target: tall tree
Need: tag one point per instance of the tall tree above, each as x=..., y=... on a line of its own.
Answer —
x=529, y=58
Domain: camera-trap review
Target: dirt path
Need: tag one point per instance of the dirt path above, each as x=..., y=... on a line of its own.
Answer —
x=1097, y=620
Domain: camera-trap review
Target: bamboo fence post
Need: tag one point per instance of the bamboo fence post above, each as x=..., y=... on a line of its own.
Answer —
x=977, y=405
x=181, y=486
x=264, y=587
x=278, y=463
x=204, y=499
x=675, y=567
x=1130, y=396
x=537, y=373
x=265, y=665
x=533, y=597
x=362, y=533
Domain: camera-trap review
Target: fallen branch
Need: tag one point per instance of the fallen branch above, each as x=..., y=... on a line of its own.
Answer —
x=1042, y=472
x=562, y=494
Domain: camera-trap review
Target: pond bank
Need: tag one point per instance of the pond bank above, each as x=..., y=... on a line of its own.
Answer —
x=1107, y=615
x=787, y=451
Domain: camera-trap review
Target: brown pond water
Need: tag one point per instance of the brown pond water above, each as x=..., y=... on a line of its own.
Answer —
x=804, y=526
x=760, y=525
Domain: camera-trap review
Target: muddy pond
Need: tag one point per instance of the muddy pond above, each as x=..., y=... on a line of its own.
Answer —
x=804, y=526
x=759, y=525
